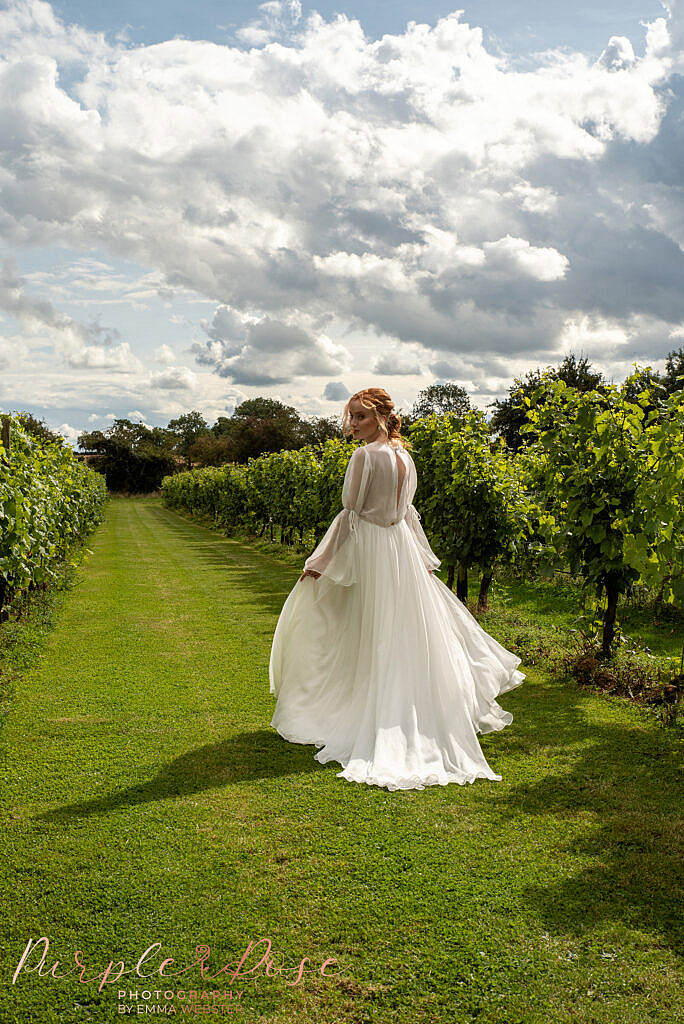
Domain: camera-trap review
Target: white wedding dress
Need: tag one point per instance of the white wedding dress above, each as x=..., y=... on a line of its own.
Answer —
x=376, y=661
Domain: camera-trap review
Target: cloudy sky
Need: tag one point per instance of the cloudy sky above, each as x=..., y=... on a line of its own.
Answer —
x=201, y=203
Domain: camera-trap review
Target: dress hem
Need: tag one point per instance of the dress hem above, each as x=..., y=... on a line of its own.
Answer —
x=392, y=784
x=414, y=781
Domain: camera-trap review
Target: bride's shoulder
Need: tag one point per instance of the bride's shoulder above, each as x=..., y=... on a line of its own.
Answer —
x=360, y=455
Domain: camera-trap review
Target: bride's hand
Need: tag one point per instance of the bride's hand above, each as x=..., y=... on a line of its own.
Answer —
x=310, y=572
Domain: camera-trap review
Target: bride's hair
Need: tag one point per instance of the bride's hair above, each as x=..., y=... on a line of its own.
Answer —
x=382, y=405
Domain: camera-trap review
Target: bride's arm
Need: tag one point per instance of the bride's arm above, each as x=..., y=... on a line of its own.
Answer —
x=354, y=489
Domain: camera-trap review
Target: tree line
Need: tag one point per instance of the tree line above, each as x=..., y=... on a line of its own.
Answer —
x=134, y=458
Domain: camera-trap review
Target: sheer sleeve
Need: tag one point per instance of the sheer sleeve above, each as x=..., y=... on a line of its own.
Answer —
x=427, y=554
x=335, y=554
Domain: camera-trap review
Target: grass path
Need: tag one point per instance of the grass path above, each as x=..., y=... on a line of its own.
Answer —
x=146, y=799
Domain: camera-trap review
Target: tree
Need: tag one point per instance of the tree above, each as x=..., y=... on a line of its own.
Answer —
x=577, y=374
x=122, y=432
x=38, y=428
x=252, y=437
x=132, y=457
x=510, y=414
x=262, y=408
x=673, y=378
x=437, y=399
x=222, y=426
x=210, y=450
x=319, y=429
x=260, y=425
x=187, y=428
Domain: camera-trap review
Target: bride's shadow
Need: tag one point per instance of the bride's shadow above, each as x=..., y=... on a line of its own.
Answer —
x=241, y=758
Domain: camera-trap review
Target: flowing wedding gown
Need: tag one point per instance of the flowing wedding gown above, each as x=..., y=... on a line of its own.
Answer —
x=376, y=661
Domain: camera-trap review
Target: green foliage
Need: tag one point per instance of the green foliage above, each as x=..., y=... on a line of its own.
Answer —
x=39, y=428
x=613, y=473
x=437, y=399
x=673, y=377
x=48, y=499
x=187, y=429
x=510, y=415
x=297, y=489
x=132, y=456
x=259, y=426
x=471, y=493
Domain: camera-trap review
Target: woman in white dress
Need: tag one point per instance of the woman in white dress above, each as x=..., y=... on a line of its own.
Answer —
x=374, y=660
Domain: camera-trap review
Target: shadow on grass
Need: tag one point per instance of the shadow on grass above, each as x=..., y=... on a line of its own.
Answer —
x=628, y=782
x=559, y=600
x=258, y=573
x=242, y=758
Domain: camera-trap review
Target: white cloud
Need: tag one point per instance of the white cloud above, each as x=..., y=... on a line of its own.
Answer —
x=267, y=351
x=617, y=55
x=665, y=37
x=414, y=187
x=592, y=334
x=175, y=378
x=517, y=256
x=69, y=433
x=397, y=363
x=164, y=354
x=275, y=18
x=82, y=346
x=13, y=351
x=336, y=391
x=372, y=269
x=119, y=358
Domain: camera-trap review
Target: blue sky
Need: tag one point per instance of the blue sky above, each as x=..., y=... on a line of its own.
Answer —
x=517, y=26
x=201, y=203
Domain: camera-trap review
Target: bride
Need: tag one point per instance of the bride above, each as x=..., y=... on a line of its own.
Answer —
x=374, y=659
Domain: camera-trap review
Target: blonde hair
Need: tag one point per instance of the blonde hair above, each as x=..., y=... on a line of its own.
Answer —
x=382, y=405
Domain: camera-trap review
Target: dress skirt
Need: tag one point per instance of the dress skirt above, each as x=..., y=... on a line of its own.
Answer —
x=388, y=673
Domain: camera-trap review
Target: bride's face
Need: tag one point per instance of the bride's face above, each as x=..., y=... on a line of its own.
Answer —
x=363, y=424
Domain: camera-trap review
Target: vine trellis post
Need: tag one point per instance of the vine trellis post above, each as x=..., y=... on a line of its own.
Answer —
x=6, y=432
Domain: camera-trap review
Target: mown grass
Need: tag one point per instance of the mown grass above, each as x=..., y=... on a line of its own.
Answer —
x=146, y=799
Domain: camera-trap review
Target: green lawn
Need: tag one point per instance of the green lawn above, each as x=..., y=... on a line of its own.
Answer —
x=146, y=799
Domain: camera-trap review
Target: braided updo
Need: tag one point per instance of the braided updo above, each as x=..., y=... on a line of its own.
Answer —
x=382, y=405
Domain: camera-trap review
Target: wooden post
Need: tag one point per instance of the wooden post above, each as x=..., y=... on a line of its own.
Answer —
x=6, y=432
x=483, y=596
x=462, y=582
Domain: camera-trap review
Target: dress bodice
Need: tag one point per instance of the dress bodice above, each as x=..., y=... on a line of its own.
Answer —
x=375, y=490
x=389, y=485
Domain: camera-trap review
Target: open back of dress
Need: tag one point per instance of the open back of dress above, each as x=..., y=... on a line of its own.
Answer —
x=401, y=474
